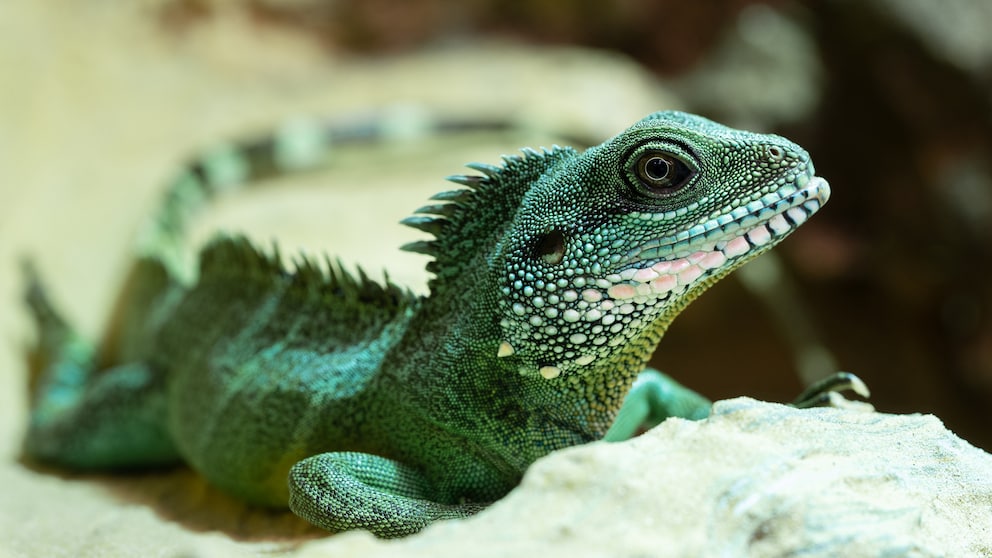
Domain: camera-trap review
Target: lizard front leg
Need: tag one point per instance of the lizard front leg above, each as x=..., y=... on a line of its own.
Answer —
x=827, y=392
x=348, y=490
x=653, y=398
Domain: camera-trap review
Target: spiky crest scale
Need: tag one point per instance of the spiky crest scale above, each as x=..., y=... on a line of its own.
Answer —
x=452, y=195
x=427, y=224
x=472, y=181
x=425, y=247
x=490, y=170
x=470, y=217
x=441, y=209
x=227, y=256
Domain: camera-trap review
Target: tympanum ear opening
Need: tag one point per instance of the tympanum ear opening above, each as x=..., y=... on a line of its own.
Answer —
x=551, y=247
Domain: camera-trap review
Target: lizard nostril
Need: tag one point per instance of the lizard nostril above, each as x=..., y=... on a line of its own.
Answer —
x=775, y=153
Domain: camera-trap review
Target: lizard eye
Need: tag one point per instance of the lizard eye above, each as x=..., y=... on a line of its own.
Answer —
x=661, y=174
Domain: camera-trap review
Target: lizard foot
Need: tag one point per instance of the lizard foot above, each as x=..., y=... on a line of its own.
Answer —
x=338, y=491
x=828, y=392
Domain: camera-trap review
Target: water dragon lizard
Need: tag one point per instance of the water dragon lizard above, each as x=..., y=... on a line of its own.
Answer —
x=361, y=405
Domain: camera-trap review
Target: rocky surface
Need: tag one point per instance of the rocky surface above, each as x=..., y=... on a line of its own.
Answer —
x=756, y=479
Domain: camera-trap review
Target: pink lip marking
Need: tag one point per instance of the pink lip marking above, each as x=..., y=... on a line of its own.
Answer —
x=736, y=247
x=622, y=291
x=663, y=284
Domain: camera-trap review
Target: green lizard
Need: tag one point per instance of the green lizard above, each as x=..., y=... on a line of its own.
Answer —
x=360, y=405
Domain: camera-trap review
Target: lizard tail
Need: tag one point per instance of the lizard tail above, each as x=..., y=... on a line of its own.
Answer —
x=296, y=146
x=165, y=261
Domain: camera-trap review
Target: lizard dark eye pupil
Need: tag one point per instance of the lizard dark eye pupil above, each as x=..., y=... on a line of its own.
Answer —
x=661, y=174
x=551, y=247
x=657, y=168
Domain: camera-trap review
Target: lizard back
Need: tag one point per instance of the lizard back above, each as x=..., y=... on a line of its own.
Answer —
x=266, y=365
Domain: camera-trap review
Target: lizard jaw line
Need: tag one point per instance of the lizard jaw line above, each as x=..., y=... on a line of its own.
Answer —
x=806, y=188
x=662, y=277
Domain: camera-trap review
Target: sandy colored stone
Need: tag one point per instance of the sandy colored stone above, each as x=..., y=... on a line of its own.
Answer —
x=756, y=479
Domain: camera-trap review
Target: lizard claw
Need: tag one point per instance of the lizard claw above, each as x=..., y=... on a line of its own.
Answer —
x=827, y=392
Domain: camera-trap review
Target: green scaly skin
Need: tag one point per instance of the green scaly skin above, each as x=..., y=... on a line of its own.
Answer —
x=359, y=405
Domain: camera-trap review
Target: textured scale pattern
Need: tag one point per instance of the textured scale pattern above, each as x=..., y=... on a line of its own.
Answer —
x=359, y=405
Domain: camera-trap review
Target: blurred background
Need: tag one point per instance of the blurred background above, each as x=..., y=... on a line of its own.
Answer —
x=100, y=102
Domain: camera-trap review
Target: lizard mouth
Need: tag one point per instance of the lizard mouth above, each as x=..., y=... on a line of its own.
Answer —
x=720, y=244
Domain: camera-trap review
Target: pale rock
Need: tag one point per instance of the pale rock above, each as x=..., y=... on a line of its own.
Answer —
x=755, y=479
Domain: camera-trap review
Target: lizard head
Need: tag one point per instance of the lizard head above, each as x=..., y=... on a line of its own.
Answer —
x=606, y=247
